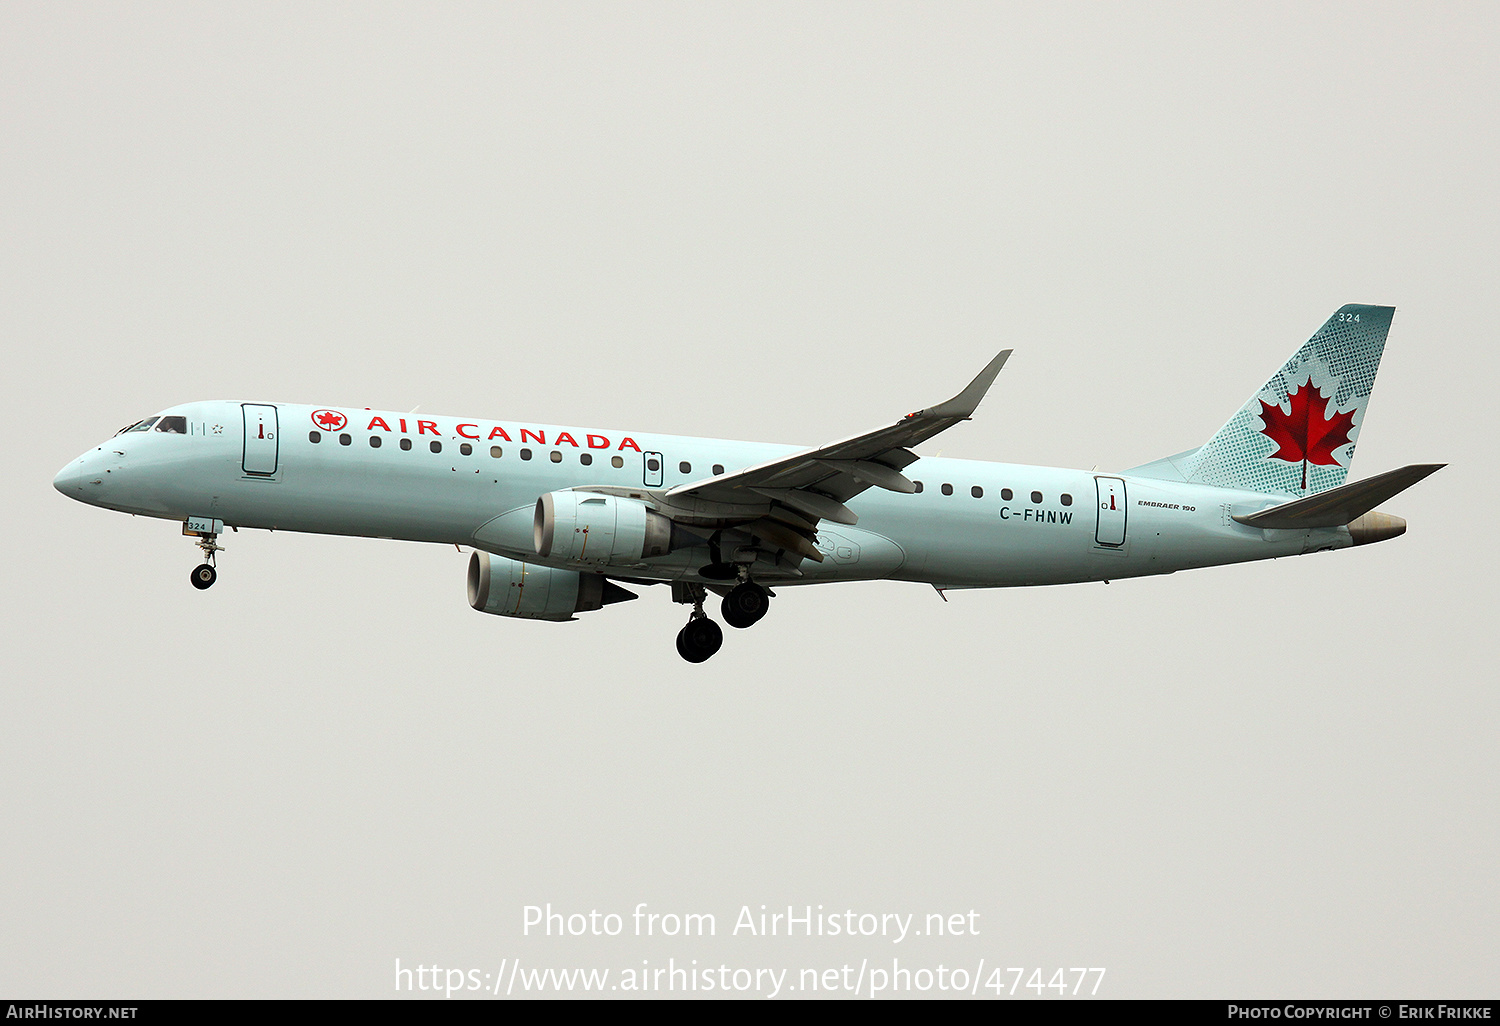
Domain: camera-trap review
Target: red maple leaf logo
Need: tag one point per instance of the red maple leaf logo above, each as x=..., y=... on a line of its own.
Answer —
x=329, y=420
x=1307, y=433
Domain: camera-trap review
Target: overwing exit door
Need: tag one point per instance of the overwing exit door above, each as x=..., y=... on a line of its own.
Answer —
x=261, y=443
x=653, y=463
x=1111, y=528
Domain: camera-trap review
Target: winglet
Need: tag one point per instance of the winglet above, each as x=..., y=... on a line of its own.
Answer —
x=966, y=402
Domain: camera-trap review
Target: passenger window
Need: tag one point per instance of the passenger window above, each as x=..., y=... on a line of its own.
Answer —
x=919, y=486
x=947, y=489
x=685, y=467
x=314, y=437
x=406, y=445
x=144, y=425
x=977, y=492
x=1007, y=494
x=436, y=446
x=495, y=451
x=466, y=449
x=1067, y=500
x=1036, y=496
x=586, y=458
x=374, y=441
x=173, y=425
x=653, y=465
x=718, y=469
x=556, y=456
x=345, y=439
x=525, y=454
x=617, y=462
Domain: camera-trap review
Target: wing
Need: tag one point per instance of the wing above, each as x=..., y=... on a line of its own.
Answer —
x=785, y=498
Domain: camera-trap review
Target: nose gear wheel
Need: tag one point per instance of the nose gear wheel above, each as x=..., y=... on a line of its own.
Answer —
x=204, y=575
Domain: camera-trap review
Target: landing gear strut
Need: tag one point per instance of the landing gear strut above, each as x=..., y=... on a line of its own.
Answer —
x=204, y=575
x=701, y=637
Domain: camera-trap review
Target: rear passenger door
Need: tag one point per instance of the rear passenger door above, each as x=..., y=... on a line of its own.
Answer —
x=1111, y=527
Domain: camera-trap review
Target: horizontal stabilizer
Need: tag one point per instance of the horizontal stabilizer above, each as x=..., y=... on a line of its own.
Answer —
x=1342, y=505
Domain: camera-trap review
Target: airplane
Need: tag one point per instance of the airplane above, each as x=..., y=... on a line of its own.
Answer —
x=562, y=519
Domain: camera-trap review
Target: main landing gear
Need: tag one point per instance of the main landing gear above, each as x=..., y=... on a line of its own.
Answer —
x=700, y=639
x=204, y=574
x=744, y=605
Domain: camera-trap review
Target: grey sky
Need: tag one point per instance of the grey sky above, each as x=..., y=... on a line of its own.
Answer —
x=785, y=222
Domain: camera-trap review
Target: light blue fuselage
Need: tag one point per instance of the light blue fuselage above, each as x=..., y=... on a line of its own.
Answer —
x=1026, y=526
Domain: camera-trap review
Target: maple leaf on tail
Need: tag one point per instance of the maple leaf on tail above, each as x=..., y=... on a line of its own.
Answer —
x=1306, y=433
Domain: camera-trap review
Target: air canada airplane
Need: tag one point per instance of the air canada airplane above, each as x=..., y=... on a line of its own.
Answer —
x=563, y=518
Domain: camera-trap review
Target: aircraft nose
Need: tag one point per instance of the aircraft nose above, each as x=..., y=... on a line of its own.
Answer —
x=73, y=479
x=69, y=479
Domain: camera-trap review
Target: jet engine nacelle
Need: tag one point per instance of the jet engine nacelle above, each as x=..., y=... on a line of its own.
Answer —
x=604, y=530
x=507, y=587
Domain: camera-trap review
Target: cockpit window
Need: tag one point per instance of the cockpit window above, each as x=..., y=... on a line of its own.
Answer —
x=173, y=425
x=144, y=425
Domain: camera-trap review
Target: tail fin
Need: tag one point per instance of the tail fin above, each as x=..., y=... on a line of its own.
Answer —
x=1296, y=434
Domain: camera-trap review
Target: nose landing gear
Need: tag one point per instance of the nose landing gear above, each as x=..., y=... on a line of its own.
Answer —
x=204, y=574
